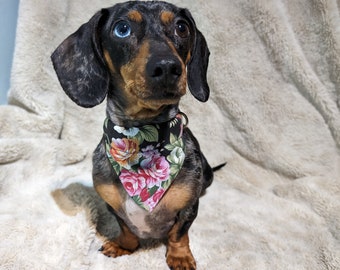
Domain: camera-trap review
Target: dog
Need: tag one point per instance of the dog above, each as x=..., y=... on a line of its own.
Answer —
x=148, y=167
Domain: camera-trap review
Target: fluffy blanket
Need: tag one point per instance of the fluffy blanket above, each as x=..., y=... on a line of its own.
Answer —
x=274, y=116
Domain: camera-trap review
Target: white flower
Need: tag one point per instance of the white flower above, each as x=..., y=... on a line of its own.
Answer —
x=130, y=132
x=177, y=156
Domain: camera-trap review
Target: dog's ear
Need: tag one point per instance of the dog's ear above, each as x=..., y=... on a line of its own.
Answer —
x=198, y=65
x=79, y=64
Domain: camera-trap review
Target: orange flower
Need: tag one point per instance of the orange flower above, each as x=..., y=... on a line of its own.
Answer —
x=125, y=151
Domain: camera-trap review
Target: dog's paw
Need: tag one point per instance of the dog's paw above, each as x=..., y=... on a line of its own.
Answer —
x=181, y=262
x=111, y=249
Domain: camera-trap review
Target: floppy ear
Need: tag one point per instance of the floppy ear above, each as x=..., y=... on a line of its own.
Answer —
x=80, y=66
x=198, y=66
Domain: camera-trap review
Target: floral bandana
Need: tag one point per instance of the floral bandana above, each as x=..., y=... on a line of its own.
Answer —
x=147, y=159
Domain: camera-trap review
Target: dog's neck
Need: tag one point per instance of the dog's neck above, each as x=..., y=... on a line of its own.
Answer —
x=118, y=115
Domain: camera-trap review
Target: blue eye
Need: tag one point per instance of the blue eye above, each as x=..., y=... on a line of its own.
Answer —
x=122, y=29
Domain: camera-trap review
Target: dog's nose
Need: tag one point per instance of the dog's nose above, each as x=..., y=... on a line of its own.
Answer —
x=165, y=71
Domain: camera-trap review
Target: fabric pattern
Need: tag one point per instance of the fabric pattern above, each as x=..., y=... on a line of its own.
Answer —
x=147, y=159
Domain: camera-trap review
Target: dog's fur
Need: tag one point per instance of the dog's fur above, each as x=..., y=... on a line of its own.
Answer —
x=143, y=76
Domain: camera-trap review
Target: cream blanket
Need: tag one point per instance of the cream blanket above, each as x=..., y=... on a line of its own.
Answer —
x=274, y=116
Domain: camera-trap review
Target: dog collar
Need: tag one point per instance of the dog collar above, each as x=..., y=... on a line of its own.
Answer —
x=146, y=159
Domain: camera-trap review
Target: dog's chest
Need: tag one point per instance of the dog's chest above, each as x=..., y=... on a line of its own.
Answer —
x=137, y=217
x=145, y=224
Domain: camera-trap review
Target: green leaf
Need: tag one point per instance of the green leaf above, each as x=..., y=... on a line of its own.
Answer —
x=166, y=184
x=180, y=143
x=174, y=169
x=173, y=138
x=170, y=147
x=149, y=133
x=137, y=199
x=114, y=164
x=174, y=142
x=153, y=190
x=116, y=167
x=139, y=137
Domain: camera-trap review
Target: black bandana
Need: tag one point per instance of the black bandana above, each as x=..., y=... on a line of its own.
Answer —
x=147, y=159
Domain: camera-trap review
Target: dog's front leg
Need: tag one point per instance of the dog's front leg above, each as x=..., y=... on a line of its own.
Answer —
x=124, y=244
x=178, y=255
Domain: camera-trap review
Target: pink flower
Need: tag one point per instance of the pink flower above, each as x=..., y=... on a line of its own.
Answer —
x=144, y=195
x=153, y=201
x=155, y=168
x=158, y=195
x=133, y=182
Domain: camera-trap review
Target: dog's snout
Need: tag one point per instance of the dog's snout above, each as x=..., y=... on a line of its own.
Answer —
x=164, y=70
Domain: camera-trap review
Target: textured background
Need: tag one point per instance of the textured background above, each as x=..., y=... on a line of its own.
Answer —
x=273, y=116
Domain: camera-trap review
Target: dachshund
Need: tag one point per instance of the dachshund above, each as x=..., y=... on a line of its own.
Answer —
x=148, y=166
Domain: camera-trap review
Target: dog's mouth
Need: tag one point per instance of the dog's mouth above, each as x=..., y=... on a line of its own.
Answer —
x=148, y=94
x=165, y=96
x=165, y=92
x=158, y=101
x=145, y=109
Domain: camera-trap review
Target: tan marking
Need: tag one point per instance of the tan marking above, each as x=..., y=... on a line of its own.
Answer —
x=109, y=61
x=167, y=17
x=135, y=88
x=148, y=109
x=124, y=244
x=135, y=16
x=111, y=195
x=182, y=84
x=127, y=239
x=177, y=197
x=134, y=73
x=113, y=250
x=188, y=58
x=178, y=255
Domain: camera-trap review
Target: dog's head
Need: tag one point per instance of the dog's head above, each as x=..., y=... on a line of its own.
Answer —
x=141, y=54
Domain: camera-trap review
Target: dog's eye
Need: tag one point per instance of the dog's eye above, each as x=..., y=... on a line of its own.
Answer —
x=122, y=29
x=182, y=29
